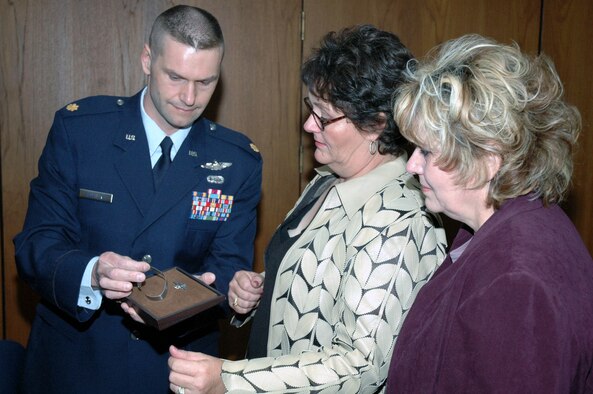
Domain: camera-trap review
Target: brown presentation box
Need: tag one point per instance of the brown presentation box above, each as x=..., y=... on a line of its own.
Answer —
x=186, y=297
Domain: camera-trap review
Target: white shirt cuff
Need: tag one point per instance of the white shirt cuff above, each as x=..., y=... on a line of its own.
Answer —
x=88, y=297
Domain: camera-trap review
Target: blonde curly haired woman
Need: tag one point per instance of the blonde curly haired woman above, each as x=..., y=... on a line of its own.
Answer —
x=511, y=308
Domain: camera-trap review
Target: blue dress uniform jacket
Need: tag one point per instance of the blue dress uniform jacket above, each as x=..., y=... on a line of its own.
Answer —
x=99, y=144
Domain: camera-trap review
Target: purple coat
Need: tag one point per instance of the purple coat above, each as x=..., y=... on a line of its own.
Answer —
x=513, y=314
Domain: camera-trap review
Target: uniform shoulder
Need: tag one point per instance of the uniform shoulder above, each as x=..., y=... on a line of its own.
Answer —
x=235, y=138
x=93, y=105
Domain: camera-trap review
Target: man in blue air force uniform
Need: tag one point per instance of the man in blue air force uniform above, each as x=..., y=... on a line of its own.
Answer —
x=97, y=209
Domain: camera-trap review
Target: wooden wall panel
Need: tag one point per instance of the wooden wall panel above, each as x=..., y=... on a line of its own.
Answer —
x=567, y=37
x=53, y=52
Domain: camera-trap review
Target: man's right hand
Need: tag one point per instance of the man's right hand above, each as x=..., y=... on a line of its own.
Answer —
x=115, y=275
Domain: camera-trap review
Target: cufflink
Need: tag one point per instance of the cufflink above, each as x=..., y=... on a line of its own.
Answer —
x=135, y=335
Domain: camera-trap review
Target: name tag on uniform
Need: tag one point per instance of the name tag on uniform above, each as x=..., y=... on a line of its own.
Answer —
x=95, y=195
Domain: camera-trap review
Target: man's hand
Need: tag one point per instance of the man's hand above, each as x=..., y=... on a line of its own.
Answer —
x=115, y=275
x=207, y=277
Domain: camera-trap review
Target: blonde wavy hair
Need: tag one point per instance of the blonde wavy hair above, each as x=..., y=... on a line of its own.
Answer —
x=472, y=98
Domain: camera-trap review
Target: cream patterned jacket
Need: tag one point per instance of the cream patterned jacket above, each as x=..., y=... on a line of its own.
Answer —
x=343, y=289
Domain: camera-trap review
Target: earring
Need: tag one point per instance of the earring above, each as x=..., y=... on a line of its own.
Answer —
x=373, y=145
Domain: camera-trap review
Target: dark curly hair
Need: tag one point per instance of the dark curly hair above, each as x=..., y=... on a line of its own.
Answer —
x=357, y=70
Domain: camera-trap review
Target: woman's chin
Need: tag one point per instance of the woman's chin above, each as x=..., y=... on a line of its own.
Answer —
x=320, y=157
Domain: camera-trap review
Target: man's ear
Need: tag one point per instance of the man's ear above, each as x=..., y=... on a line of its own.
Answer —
x=145, y=59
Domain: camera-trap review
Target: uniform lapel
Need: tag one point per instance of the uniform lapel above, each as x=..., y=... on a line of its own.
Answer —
x=182, y=176
x=133, y=166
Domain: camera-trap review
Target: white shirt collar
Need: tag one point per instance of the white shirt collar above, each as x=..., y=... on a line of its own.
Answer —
x=155, y=135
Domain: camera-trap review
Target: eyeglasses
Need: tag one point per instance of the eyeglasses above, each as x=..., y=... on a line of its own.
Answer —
x=319, y=121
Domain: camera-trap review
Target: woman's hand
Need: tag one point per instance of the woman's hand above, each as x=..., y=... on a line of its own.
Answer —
x=192, y=372
x=245, y=291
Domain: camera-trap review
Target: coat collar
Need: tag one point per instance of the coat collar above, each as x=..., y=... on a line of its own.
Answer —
x=508, y=209
x=354, y=193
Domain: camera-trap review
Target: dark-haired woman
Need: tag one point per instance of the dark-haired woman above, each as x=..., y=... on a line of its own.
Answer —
x=344, y=267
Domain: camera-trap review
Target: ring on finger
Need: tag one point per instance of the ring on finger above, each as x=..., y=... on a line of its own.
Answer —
x=235, y=301
x=180, y=390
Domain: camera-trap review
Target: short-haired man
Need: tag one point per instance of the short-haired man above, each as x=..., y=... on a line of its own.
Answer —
x=124, y=178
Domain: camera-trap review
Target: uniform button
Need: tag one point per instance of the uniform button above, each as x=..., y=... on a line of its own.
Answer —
x=120, y=102
x=135, y=335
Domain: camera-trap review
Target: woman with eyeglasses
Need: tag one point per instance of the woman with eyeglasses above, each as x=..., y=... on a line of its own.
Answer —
x=344, y=267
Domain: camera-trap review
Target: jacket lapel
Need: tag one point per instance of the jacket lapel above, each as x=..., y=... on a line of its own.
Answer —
x=182, y=176
x=133, y=166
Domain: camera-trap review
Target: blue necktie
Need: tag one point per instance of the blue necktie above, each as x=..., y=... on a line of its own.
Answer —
x=162, y=165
